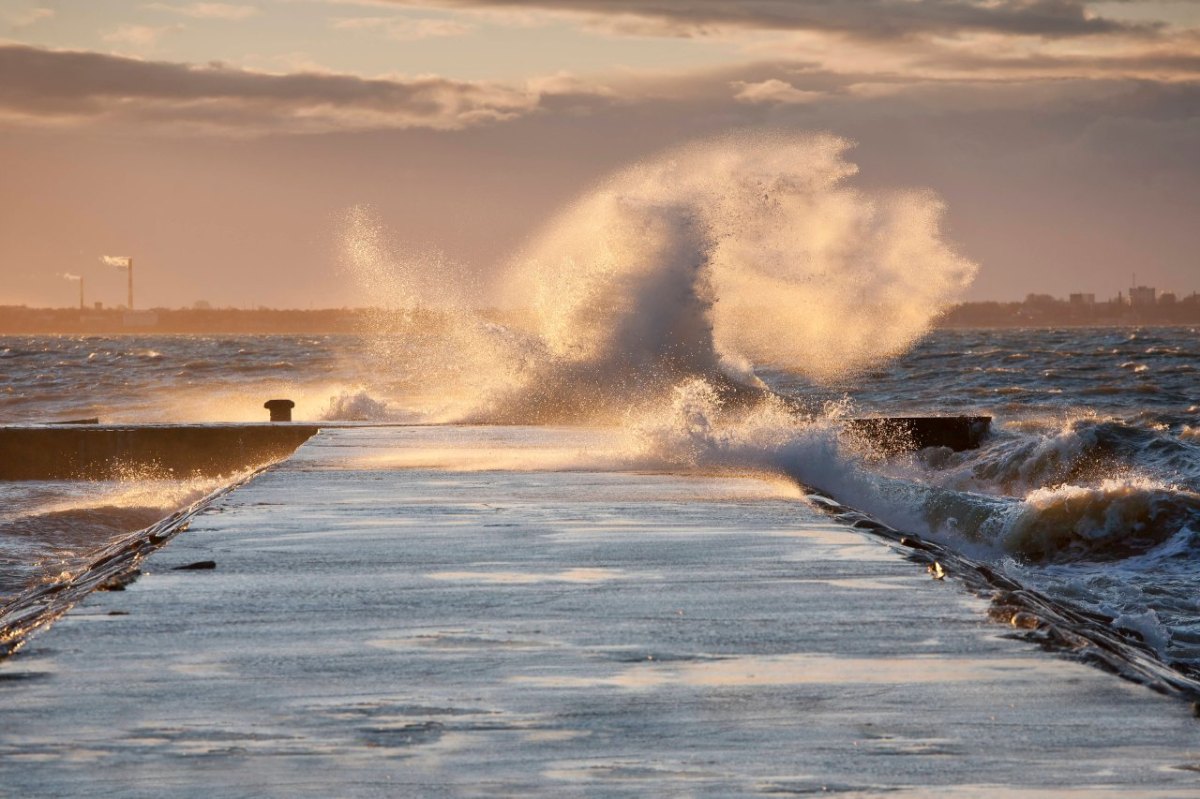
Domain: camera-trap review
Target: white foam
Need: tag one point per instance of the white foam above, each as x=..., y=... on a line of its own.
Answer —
x=356, y=406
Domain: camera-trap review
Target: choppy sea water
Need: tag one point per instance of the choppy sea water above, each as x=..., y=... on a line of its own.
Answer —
x=1089, y=486
x=1088, y=489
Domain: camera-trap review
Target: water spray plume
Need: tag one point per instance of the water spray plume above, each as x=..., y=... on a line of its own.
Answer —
x=702, y=263
x=429, y=344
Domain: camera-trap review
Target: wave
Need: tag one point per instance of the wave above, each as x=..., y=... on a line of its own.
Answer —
x=1065, y=510
x=77, y=527
x=49, y=528
x=703, y=262
x=357, y=406
x=1112, y=520
x=44, y=545
x=1033, y=454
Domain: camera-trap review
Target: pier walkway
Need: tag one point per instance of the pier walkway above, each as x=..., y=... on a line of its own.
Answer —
x=457, y=611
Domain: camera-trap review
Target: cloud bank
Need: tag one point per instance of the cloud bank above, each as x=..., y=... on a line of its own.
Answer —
x=57, y=88
x=870, y=19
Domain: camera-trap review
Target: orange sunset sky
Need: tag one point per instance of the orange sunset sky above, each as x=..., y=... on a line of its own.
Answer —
x=221, y=143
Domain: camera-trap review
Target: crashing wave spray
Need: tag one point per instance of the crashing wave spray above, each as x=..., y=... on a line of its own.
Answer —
x=702, y=263
x=429, y=353
x=721, y=255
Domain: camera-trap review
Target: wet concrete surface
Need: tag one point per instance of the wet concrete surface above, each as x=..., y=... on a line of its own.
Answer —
x=458, y=611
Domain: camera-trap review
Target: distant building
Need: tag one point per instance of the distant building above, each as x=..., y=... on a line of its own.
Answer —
x=1082, y=300
x=1167, y=298
x=1142, y=296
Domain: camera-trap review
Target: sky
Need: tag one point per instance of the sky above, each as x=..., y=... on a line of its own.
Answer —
x=222, y=144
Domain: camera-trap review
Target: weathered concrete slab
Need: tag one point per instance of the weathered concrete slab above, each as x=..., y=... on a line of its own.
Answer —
x=447, y=611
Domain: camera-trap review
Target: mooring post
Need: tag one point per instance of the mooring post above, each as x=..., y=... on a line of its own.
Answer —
x=281, y=409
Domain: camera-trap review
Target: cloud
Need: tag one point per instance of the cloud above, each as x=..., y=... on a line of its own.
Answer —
x=227, y=11
x=403, y=29
x=896, y=40
x=140, y=36
x=24, y=19
x=773, y=90
x=56, y=88
x=872, y=19
x=63, y=88
x=367, y=3
x=1178, y=59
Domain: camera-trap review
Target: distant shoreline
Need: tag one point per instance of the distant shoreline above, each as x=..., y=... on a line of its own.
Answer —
x=22, y=320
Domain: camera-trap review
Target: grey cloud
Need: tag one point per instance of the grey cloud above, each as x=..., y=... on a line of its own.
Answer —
x=48, y=85
x=861, y=18
x=1179, y=59
x=64, y=88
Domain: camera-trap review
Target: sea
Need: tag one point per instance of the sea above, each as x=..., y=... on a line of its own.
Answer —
x=725, y=308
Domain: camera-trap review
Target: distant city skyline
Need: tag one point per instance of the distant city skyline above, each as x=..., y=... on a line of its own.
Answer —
x=76, y=295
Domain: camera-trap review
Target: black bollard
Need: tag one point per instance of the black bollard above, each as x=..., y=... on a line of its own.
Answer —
x=281, y=409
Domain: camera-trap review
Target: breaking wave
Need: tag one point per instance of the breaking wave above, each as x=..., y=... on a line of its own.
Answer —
x=357, y=406
x=1099, y=514
x=47, y=528
x=703, y=262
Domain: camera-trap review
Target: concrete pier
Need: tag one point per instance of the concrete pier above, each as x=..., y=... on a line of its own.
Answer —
x=495, y=612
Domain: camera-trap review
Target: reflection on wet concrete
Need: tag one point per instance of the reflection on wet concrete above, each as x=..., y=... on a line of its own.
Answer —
x=566, y=575
x=803, y=669
x=426, y=632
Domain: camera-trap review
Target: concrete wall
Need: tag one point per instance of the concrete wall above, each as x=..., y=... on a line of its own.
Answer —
x=105, y=452
x=909, y=433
